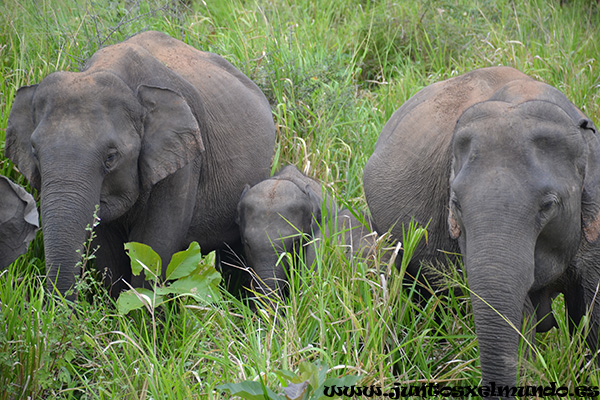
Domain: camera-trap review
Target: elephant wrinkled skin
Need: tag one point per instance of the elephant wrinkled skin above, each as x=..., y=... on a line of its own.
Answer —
x=161, y=136
x=505, y=170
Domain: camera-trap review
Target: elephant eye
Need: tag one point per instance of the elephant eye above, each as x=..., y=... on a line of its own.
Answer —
x=455, y=203
x=34, y=152
x=549, y=202
x=110, y=160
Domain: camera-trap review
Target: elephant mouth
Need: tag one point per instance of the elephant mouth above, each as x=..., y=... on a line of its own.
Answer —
x=102, y=211
x=110, y=210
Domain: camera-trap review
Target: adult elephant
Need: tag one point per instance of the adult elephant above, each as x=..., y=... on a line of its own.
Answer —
x=161, y=136
x=505, y=171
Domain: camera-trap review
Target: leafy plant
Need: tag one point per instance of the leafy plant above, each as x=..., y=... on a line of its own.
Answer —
x=308, y=383
x=185, y=275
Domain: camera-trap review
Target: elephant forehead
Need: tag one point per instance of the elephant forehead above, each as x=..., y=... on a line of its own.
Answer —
x=76, y=107
x=84, y=92
x=526, y=120
x=502, y=111
x=69, y=133
x=272, y=202
x=520, y=91
x=275, y=192
x=534, y=137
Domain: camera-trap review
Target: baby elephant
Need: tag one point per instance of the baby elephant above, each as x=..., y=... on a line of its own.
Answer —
x=285, y=214
x=18, y=221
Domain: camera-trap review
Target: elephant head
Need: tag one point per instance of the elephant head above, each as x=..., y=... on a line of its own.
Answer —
x=524, y=188
x=277, y=215
x=18, y=221
x=86, y=139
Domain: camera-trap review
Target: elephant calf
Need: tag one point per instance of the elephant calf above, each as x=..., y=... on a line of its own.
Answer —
x=506, y=171
x=285, y=214
x=18, y=221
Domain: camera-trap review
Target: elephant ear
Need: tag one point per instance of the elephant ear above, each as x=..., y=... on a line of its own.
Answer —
x=453, y=226
x=239, y=208
x=315, y=202
x=18, y=135
x=30, y=213
x=590, y=199
x=171, y=136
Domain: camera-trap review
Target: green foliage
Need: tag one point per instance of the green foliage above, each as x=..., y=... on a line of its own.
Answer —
x=334, y=72
x=185, y=276
x=250, y=390
x=411, y=237
x=307, y=384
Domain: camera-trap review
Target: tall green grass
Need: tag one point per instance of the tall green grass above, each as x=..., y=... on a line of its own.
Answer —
x=334, y=71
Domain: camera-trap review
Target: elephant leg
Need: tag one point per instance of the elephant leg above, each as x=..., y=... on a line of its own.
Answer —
x=582, y=297
x=163, y=222
x=111, y=259
x=530, y=323
x=232, y=266
x=312, y=250
x=162, y=238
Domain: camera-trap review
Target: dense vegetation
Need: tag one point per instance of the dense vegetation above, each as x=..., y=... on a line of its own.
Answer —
x=333, y=71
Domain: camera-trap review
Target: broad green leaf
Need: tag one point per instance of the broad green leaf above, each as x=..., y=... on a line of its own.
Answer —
x=250, y=390
x=308, y=371
x=202, y=284
x=143, y=258
x=137, y=298
x=323, y=368
x=184, y=262
x=284, y=376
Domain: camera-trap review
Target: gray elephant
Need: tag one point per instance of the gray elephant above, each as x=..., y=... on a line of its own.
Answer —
x=505, y=171
x=285, y=214
x=18, y=221
x=161, y=136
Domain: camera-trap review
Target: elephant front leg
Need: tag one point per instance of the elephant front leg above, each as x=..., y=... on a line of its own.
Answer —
x=111, y=260
x=231, y=264
x=583, y=297
x=163, y=220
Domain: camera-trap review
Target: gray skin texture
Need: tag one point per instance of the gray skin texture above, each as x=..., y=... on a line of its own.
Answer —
x=512, y=186
x=18, y=221
x=162, y=136
x=285, y=213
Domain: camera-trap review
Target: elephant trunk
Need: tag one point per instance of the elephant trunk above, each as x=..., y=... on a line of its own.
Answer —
x=67, y=208
x=500, y=271
x=269, y=273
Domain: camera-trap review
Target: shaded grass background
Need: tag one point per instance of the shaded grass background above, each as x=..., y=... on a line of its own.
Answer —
x=333, y=71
